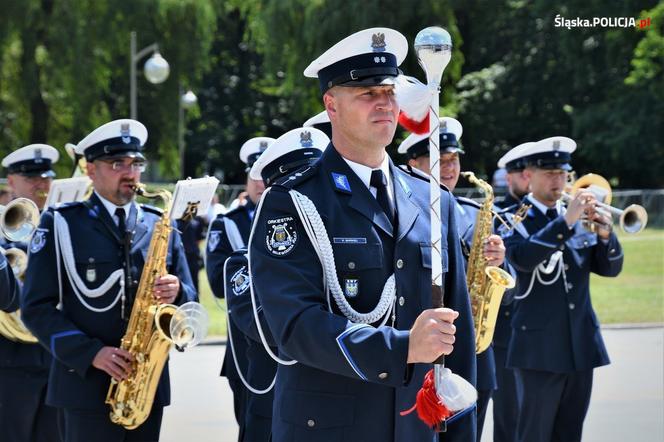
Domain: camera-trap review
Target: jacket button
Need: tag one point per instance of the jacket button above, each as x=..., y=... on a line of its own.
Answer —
x=402, y=301
x=612, y=251
x=571, y=306
x=585, y=243
x=562, y=247
x=351, y=265
x=507, y=313
x=560, y=236
x=399, y=263
x=311, y=423
x=523, y=327
x=382, y=376
x=569, y=286
x=566, y=266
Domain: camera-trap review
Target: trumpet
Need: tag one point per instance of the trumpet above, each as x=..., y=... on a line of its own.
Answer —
x=632, y=219
x=19, y=219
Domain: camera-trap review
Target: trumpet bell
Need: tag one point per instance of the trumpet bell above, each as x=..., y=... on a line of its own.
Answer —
x=633, y=219
x=597, y=183
x=19, y=219
x=17, y=260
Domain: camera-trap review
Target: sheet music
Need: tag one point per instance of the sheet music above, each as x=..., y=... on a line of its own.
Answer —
x=67, y=190
x=193, y=196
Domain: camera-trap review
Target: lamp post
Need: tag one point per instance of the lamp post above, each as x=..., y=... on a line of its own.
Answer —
x=185, y=101
x=156, y=70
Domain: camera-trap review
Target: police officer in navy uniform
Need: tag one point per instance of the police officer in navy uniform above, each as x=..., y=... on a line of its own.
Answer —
x=556, y=341
x=294, y=150
x=362, y=349
x=505, y=404
x=79, y=291
x=24, y=366
x=417, y=149
x=227, y=233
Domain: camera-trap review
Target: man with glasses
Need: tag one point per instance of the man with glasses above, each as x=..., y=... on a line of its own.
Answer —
x=24, y=366
x=85, y=264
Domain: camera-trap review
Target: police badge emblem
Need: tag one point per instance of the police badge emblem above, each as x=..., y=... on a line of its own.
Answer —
x=240, y=281
x=305, y=139
x=213, y=240
x=351, y=287
x=38, y=241
x=378, y=42
x=281, y=236
x=126, y=135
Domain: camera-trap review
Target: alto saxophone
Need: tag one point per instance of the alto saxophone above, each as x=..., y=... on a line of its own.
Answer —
x=486, y=284
x=148, y=334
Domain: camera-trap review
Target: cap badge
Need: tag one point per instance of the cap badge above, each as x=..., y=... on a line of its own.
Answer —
x=38, y=156
x=380, y=59
x=556, y=145
x=262, y=146
x=126, y=136
x=305, y=139
x=378, y=42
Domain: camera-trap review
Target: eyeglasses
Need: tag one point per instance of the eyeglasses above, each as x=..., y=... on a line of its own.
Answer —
x=117, y=166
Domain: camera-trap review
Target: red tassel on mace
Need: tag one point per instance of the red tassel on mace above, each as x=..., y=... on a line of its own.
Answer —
x=414, y=126
x=429, y=407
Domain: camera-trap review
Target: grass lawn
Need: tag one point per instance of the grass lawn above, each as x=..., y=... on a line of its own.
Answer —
x=636, y=295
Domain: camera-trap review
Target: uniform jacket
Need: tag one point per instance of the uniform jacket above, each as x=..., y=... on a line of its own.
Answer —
x=9, y=288
x=17, y=355
x=217, y=251
x=74, y=334
x=555, y=328
x=352, y=380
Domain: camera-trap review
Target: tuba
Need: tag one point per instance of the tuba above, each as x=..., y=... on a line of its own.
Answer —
x=151, y=332
x=486, y=284
x=632, y=219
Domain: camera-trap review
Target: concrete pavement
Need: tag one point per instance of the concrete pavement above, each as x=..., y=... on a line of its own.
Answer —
x=627, y=402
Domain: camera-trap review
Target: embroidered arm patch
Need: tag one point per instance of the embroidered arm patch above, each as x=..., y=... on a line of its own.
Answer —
x=282, y=235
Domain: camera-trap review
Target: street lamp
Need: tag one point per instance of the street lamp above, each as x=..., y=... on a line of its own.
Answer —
x=156, y=69
x=186, y=101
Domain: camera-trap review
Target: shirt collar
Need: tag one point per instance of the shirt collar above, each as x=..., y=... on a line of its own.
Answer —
x=110, y=207
x=543, y=207
x=364, y=173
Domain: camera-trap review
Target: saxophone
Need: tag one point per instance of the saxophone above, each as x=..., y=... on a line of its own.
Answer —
x=486, y=284
x=148, y=334
x=11, y=326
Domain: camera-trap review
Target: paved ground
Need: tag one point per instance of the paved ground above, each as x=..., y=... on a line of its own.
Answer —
x=627, y=402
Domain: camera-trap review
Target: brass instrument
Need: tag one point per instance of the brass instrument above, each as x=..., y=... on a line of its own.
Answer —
x=486, y=284
x=19, y=219
x=11, y=326
x=632, y=219
x=148, y=335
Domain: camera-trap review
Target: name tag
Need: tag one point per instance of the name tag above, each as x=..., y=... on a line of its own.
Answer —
x=350, y=240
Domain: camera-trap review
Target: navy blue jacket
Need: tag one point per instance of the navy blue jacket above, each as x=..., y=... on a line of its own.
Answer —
x=74, y=334
x=555, y=328
x=17, y=355
x=217, y=251
x=466, y=212
x=352, y=380
x=260, y=367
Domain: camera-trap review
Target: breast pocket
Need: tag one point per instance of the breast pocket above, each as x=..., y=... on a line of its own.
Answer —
x=317, y=416
x=425, y=254
x=94, y=270
x=356, y=264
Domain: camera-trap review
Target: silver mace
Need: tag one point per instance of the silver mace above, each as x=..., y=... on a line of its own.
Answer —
x=433, y=47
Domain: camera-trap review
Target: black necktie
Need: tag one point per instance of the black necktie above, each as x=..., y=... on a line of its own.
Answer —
x=122, y=223
x=551, y=213
x=379, y=181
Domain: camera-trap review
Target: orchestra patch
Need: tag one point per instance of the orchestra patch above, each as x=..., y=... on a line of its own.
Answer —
x=282, y=235
x=38, y=241
x=213, y=239
x=240, y=281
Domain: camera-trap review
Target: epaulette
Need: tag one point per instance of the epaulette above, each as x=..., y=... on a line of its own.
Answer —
x=66, y=206
x=417, y=173
x=296, y=178
x=151, y=209
x=468, y=202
